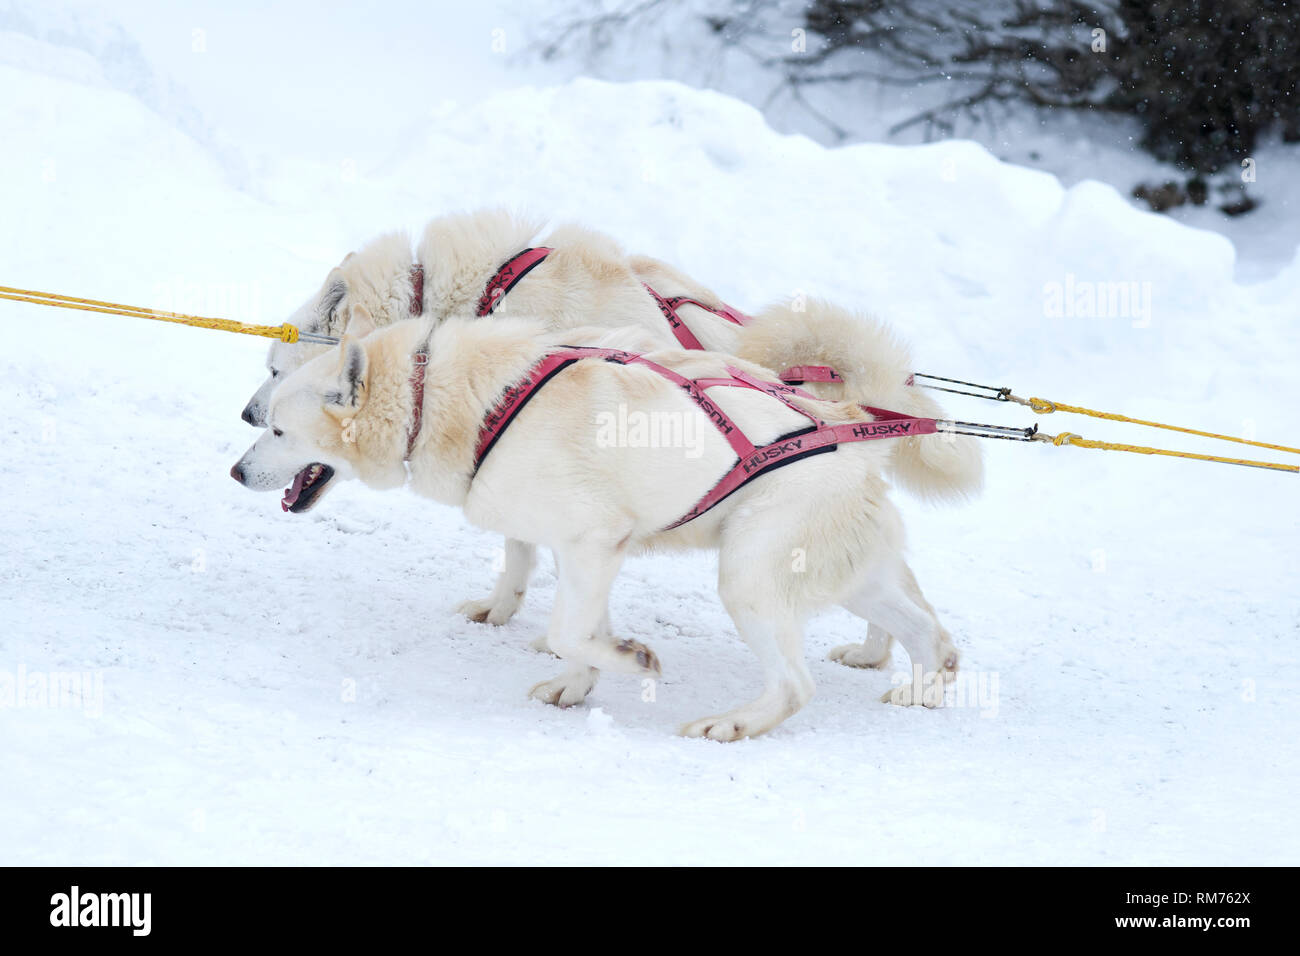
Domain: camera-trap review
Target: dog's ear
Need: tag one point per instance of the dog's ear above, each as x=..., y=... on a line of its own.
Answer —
x=360, y=322
x=349, y=391
x=327, y=308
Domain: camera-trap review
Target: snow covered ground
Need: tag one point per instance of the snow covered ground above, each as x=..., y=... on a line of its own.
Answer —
x=263, y=687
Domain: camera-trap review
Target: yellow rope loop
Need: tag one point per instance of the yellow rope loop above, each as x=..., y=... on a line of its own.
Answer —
x=1078, y=441
x=285, y=333
x=1043, y=407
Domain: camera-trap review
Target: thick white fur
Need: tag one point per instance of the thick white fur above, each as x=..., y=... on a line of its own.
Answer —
x=875, y=364
x=589, y=281
x=817, y=533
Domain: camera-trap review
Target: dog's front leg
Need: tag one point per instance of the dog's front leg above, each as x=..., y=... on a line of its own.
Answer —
x=579, y=630
x=508, y=594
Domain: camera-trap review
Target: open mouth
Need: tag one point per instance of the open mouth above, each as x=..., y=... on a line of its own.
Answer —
x=306, y=488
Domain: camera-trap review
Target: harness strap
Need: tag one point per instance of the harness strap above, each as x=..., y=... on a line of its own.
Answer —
x=681, y=332
x=421, y=360
x=752, y=460
x=734, y=316
x=669, y=305
x=505, y=278
x=502, y=281
x=798, y=374
x=417, y=289
x=817, y=438
x=517, y=395
x=514, y=398
x=520, y=264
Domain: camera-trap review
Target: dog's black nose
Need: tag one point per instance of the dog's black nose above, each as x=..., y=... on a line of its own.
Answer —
x=248, y=415
x=237, y=472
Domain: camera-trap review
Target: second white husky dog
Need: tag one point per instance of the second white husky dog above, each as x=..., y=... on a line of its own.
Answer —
x=431, y=399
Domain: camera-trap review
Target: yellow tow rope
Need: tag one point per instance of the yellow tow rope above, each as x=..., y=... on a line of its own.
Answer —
x=290, y=333
x=285, y=333
x=1044, y=407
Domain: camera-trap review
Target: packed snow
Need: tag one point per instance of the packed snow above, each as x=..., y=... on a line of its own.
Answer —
x=259, y=687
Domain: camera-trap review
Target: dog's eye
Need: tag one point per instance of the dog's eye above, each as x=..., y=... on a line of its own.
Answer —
x=275, y=373
x=277, y=433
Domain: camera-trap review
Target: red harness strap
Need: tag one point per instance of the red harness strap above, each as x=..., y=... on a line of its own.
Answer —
x=798, y=374
x=752, y=460
x=502, y=281
x=669, y=306
x=514, y=269
x=520, y=264
x=505, y=279
x=417, y=289
x=421, y=360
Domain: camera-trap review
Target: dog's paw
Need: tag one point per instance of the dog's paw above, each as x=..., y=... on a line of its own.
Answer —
x=755, y=718
x=860, y=655
x=541, y=645
x=928, y=692
x=949, y=657
x=570, y=688
x=724, y=727
x=640, y=656
x=492, y=611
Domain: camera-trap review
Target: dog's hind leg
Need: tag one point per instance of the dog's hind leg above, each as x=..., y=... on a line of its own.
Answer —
x=579, y=623
x=874, y=651
x=773, y=629
x=893, y=599
x=508, y=594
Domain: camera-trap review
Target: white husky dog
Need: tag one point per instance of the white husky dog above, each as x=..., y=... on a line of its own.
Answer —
x=586, y=279
x=427, y=402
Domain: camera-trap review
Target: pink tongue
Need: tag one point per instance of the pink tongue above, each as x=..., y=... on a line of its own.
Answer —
x=292, y=494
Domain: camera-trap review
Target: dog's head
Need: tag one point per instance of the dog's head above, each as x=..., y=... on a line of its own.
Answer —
x=310, y=440
x=374, y=281
x=319, y=314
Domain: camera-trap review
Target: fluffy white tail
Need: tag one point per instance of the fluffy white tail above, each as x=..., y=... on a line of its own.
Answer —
x=875, y=365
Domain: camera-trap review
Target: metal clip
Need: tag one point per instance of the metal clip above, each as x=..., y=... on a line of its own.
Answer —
x=986, y=431
x=987, y=392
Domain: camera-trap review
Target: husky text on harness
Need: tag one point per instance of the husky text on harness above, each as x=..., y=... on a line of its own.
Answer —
x=507, y=276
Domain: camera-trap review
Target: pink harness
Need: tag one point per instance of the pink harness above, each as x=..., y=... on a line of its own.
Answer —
x=682, y=332
x=519, y=265
x=752, y=460
x=508, y=276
